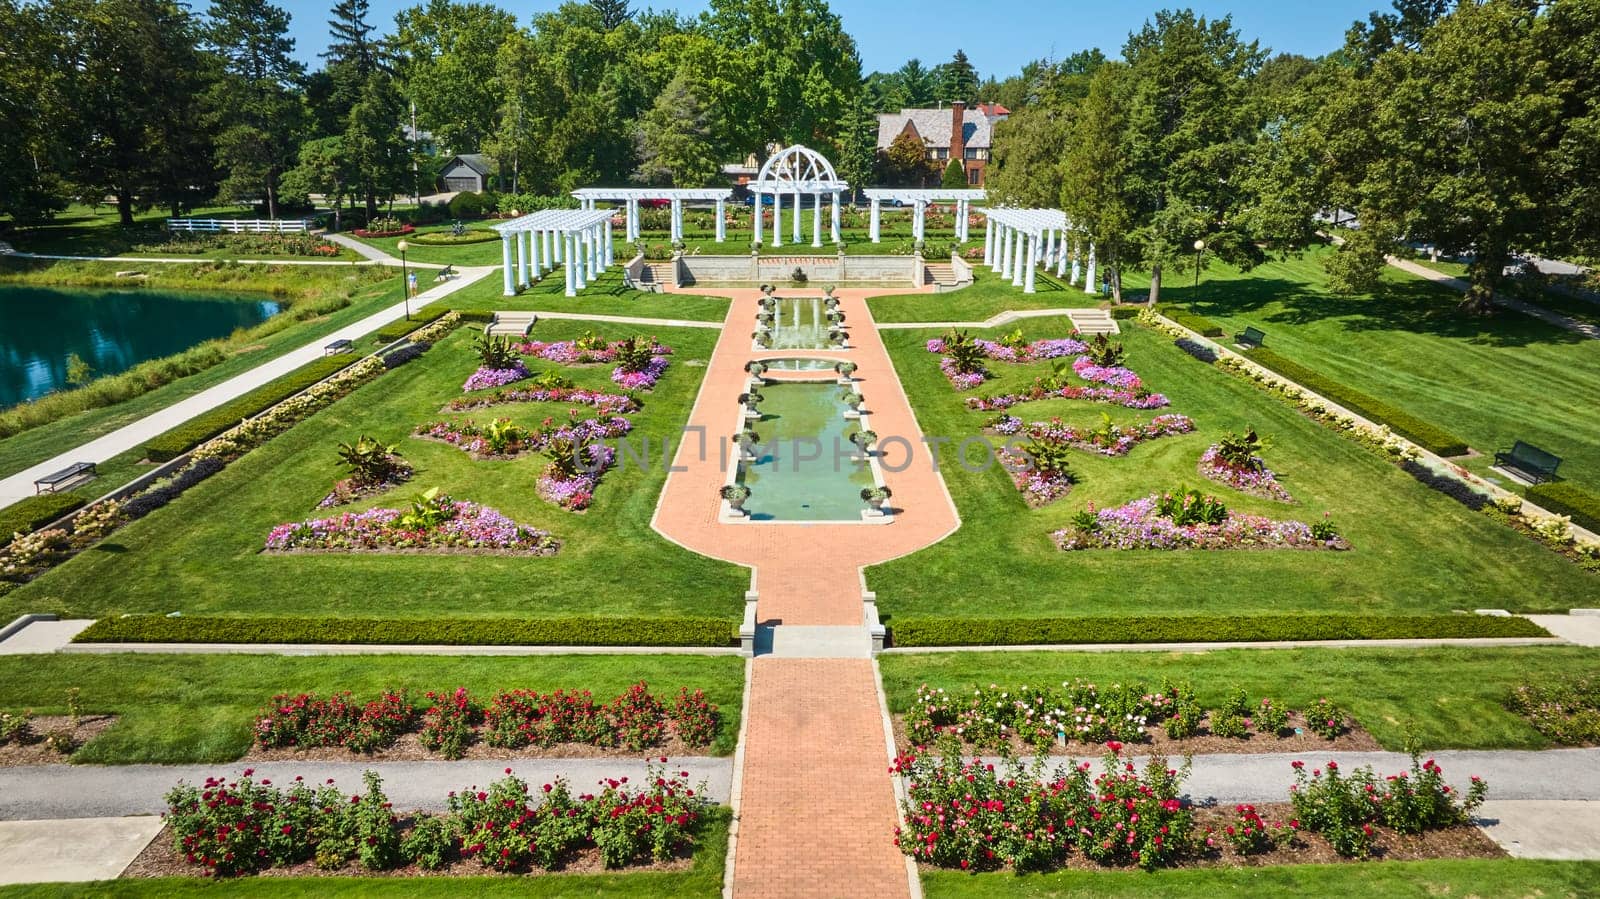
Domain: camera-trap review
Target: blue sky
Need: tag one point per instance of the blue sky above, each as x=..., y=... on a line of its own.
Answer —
x=997, y=37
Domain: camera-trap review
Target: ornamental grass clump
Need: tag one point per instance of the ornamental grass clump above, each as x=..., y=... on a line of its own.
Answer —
x=1344, y=808
x=970, y=815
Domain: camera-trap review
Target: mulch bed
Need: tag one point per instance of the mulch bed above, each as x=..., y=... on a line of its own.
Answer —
x=159, y=859
x=37, y=752
x=1310, y=848
x=1353, y=740
x=409, y=749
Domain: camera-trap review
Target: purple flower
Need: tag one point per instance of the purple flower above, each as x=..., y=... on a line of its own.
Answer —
x=485, y=378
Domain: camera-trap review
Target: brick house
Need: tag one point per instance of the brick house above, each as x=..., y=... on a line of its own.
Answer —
x=948, y=133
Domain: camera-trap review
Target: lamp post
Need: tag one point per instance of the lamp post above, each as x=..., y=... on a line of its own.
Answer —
x=1199, y=247
x=405, y=276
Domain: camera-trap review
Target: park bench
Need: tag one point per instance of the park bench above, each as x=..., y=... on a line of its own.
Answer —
x=1529, y=462
x=342, y=345
x=1251, y=337
x=510, y=324
x=71, y=474
x=445, y=273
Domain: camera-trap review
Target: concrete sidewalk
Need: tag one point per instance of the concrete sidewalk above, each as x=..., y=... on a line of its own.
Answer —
x=72, y=850
x=20, y=485
x=54, y=792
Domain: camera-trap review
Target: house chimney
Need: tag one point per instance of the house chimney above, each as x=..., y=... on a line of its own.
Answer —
x=958, y=139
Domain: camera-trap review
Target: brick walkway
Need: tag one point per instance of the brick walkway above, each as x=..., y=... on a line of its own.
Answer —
x=818, y=811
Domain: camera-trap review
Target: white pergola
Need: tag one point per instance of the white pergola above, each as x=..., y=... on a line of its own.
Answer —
x=798, y=172
x=1016, y=241
x=919, y=198
x=579, y=239
x=630, y=197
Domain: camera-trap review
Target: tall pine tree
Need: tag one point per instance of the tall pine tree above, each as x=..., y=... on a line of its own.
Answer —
x=254, y=105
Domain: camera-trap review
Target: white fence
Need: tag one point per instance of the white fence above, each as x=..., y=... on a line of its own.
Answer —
x=241, y=226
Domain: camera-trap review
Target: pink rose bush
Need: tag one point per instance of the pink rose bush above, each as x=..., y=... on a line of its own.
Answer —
x=1164, y=521
x=1344, y=807
x=434, y=523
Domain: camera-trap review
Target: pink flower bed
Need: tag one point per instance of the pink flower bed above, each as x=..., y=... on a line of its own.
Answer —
x=487, y=378
x=567, y=352
x=961, y=380
x=1129, y=398
x=643, y=379
x=1257, y=479
x=1113, y=440
x=1038, y=487
x=1136, y=525
x=575, y=492
x=472, y=438
x=467, y=526
x=1113, y=375
x=609, y=403
x=1053, y=348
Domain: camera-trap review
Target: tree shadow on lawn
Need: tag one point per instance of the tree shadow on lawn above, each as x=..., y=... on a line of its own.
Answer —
x=1416, y=307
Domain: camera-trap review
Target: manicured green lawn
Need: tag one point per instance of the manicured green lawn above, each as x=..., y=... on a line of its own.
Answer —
x=180, y=709
x=1441, y=879
x=988, y=296
x=1449, y=698
x=1492, y=380
x=1415, y=549
x=82, y=231
x=704, y=878
x=202, y=554
x=604, y=296
x=369, y=290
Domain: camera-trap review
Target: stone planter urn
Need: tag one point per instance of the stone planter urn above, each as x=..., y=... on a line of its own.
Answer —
x=749, y=401
x=875, y=497
x=845, y=370
x=852, y=400
x=735, y=495
x=863, y=441
x=746, y=441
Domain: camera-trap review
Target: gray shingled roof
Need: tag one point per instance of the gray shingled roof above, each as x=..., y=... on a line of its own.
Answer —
x=934, y=126
x=478, y=162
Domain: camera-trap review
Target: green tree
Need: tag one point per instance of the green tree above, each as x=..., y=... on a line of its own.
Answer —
x=675, y=138
x=352, y=55
x=1095, y=191
x=135, y=86
x=858, y=150
x=376, y=155
x=612, y=12
x=918, y=86
x=1570, y=41
x=1025, y=163
x=958, y=79
x=33, y=152
x=254, y=105
x=445, y=57
x=322, y=169
x=905, y=163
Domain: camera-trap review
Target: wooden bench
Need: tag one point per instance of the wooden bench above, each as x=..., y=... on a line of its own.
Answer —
x=342, y=345
x=1251, y=337
x=71, y=474
x=445, y=273
x=1528, y=461
x=511, y=324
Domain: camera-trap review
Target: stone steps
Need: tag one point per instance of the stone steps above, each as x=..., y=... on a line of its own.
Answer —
x=1094, y=321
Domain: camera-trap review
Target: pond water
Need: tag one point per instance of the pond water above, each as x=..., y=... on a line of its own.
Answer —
x=804, y=470
x=111, y=330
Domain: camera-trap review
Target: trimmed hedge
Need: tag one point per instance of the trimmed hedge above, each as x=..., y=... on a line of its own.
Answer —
x=35, y=512
x=1563, y=498
x=1200, y=628
x=397, y=329
x=446, y=239
x=1124, y=313
x=1424, y=434
x=576, y=631
x=1199, y=324
x=203, y=427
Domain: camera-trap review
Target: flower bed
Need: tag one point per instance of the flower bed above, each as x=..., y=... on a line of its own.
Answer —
x=585, y=351
x=1256, y=478
x=1141, y=525
x=348, y=490
x=486, y=378
x=1109, y=440
x=961, y=380
x=1039, y=486
x=572, y=488
x=1079, y=714
x=402, y=231
x=503, y=440
x=1566, y=710
x=1139, y=399
x=644, y=378
x=1113, y=375
x=451, y=722
x=436, y=523
x=1037, y=351
x=609, y=403
x=231, y=828
x=977, y=816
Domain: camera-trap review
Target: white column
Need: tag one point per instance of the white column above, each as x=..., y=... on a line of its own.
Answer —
x=919, y=213
x=676, y=229
x=1061, y=257
x=1006, y=236
x=558, y=242
x=1027, y=284
x=510, y=290
x=877, y=209
x=533, y=251
x=567, y=269
x=1050, y=248
x=549, y=250
x=1089, y=284
x=834, y=225
x=816, y=220
x=597, y=262
x=580, y=270
x=755, y=205
x=1018, y=262
x=796, y=216
x=524, y=251
x=611, y=252
x=722, y=223
x=1077, y=270
x=777, y=219
x=988, y=241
